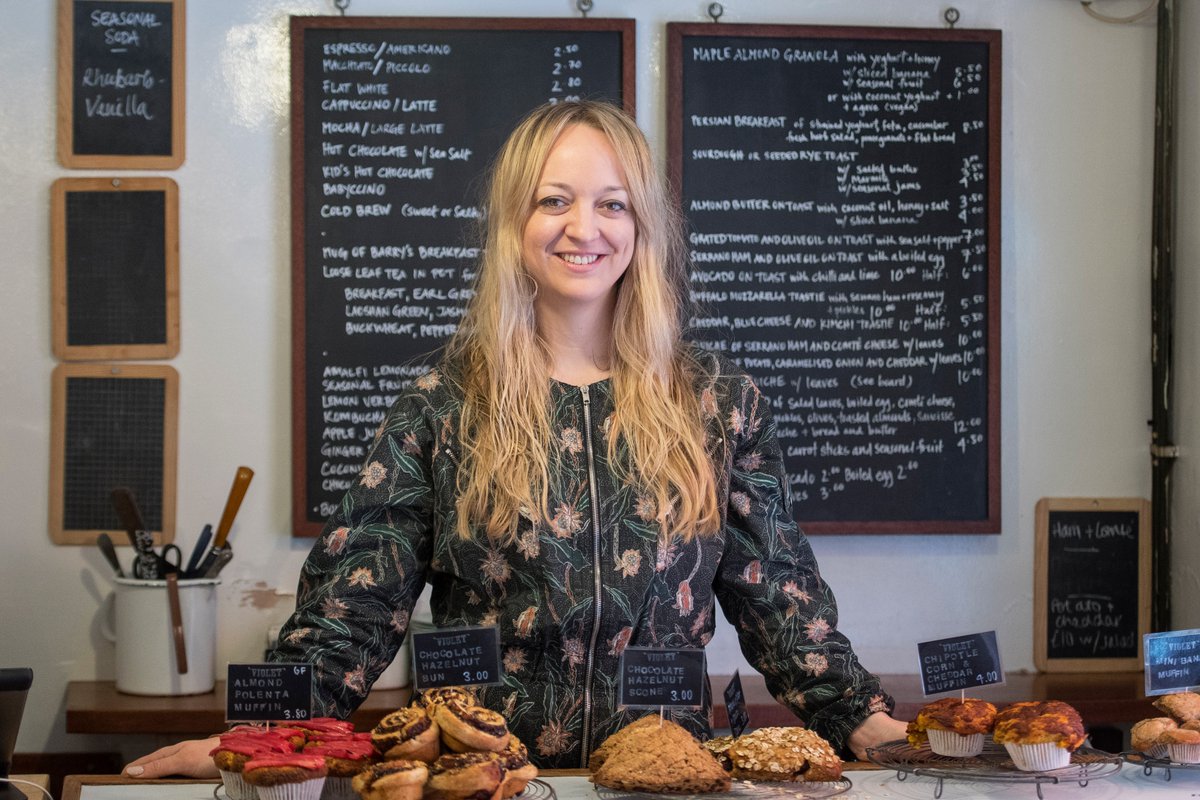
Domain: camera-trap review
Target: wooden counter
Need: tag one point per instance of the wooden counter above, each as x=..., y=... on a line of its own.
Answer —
x=1103, y=699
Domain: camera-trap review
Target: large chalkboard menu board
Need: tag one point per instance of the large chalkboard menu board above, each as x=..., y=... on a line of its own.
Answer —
x=1091, y=594
x=843, y=198
x=121, y=83
x=394, y=122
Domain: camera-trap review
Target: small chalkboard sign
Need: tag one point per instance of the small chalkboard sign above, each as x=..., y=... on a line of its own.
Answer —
x=653, y=677
x=268, y=692
x=115, y=277
x=1091, y=591
x=121, y=83
x=735, y=705
x=960, y=662
x=112, y=425
x=457, y=657
x=1172, y=661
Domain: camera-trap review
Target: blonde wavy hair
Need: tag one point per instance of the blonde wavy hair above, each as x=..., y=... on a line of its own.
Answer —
x=504, y=363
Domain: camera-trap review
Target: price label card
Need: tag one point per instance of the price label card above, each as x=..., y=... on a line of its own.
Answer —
x=268, y=692
x=652, y=677
x=456, y=657
x=960, y=662
x=735, y=705
x=1172, y=661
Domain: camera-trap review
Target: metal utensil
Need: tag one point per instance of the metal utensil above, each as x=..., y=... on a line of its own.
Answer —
x=241, y=481
x=176, y=612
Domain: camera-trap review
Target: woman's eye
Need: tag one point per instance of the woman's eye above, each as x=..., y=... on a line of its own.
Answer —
x=615, y=206
x=551, y=203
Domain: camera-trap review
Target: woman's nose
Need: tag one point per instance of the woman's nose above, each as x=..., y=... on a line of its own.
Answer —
x=581, y=224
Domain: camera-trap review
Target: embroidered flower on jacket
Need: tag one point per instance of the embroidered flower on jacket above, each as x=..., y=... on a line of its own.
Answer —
x=628, y=563
x=429, y=381
x=374, y=474
x=514, y=660
x=333, y=608
x=524, y=622
x=473, y=598
x=814, y=664
x=741, y=502
x=567, y=521
x=553, y=739
x=356, y=680
x=571, y=440
x=297, y=636
x=491, y=617
x=795, y=697
x=708, y=403
x=753, y=572
x=736, y=420
x=792, y=590
x=336, y=540
x=877, y=703
x=666, y=555
x=573, y=652
x=616, y=645
x=399, y=621
x=362, y=578
x=644, y=508
x=495, y=567
x=683, y=598
x=529, y=545
x=750, y=461
x=409, y=444
x=817, y=629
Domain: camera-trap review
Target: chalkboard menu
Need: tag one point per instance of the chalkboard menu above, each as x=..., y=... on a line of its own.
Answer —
x=394, y=122
x=115, y=280
x=121, y=83
x=1091, y=584
x=1172, y=661
x=842, y=191
x=112, y=425
x=268, y=692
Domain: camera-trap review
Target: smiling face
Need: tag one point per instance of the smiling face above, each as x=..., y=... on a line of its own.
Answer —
x=578, y=241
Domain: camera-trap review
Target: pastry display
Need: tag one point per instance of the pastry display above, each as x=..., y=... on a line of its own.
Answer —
x=1039, y=735
x=784, y=754
x=286, y=776
x=1146, y=734
x=344, y=757
x=465, y=776
x=657, y=755
x=392, y=780
x=239, y=746
x=952, y=726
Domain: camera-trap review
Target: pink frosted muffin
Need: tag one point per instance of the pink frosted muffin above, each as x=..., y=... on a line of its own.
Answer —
x=238, y=747
x=324, y=727
x=344, y=758
x=286, y=776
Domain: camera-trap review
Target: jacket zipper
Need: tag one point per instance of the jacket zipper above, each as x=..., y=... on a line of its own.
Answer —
x=585, y=738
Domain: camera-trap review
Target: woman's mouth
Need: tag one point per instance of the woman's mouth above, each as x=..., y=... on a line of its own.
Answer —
x=579, y=259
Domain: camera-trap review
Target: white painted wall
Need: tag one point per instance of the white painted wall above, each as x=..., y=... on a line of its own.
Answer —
x=1076, y=180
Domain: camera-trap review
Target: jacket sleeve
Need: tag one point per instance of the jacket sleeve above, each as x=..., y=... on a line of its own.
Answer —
x=365, y=572
x=771, y=590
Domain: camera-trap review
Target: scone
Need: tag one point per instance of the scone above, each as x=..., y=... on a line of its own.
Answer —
x=1145, y=736
x=658, y=756
x=952, y=726
x=391, y=780
x=1039, y=735
x=609, y=745
x=784, y=754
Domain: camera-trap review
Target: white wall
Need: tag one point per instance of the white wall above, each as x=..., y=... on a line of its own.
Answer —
x=1076, y=180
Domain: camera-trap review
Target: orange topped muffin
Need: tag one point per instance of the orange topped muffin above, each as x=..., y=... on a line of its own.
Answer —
x=1039, y=735
x=953, y=726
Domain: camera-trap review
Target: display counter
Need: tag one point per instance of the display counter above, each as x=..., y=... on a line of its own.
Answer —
x=1102, y=699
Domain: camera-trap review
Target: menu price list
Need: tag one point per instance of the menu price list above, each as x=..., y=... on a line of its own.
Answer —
x=841, y=250
x=399, y=127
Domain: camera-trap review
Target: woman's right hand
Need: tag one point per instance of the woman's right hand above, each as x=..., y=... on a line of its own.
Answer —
x=190, y=759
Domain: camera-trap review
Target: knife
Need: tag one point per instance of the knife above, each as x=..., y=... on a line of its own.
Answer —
x=128, y=512
x=241, y=481
x=193, y=564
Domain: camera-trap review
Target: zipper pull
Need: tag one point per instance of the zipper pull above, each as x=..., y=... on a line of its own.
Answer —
x=586, y=400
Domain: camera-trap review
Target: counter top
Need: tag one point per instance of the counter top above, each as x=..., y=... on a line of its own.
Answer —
x=1101, y=699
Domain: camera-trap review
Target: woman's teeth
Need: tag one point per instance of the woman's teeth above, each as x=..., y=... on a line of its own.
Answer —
x=578, y=260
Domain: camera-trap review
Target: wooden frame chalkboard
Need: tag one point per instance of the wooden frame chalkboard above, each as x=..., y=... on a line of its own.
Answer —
x=842, y=189
x=112, y=425
x=115, y=276
x=121, y=83
x=394, y=121
x=1091, y=588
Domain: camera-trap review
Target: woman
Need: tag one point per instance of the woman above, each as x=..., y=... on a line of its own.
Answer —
x=578, y=475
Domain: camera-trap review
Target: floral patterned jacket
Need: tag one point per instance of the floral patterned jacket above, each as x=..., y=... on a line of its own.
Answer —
x=569, y=595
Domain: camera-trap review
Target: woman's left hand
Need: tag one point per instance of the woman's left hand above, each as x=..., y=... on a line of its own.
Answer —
x=874, y=731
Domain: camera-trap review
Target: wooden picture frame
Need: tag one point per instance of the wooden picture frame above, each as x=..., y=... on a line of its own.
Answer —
x=138, y=445
x=128, y=73
x=1091, y=587
x=96, y=223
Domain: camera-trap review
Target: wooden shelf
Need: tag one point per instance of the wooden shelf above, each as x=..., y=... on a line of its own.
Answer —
x=1102, y=699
